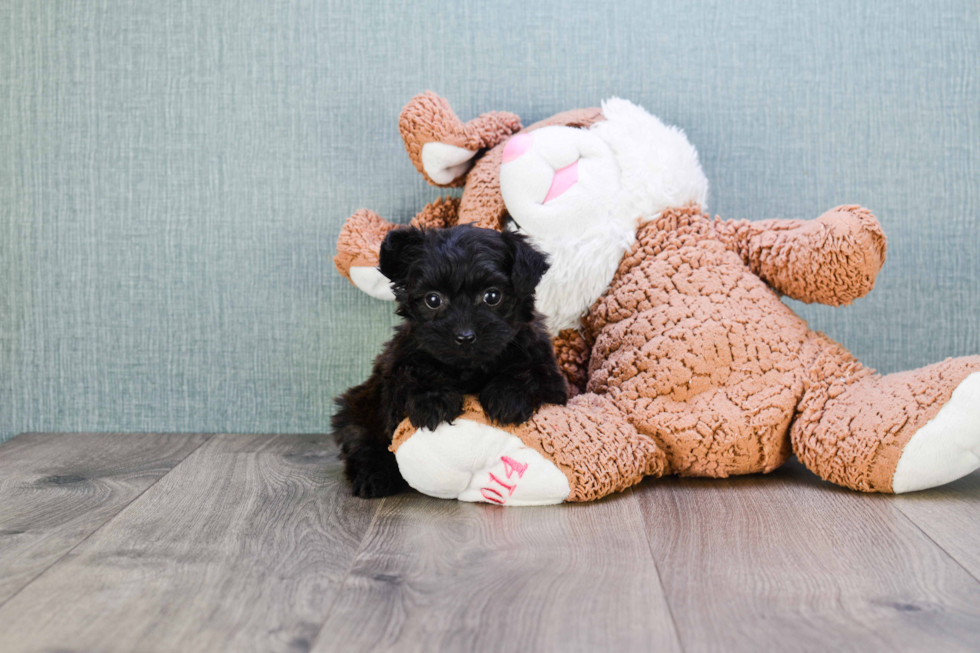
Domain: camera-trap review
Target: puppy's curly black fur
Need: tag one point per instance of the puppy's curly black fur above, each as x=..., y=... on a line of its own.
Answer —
x=467, y=296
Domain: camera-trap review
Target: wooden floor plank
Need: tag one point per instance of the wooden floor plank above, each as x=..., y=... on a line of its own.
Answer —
x=239, y=548
x=254, y=543
x=950, y=516
x=788, y=562
x=447, y=576
x=56, y=489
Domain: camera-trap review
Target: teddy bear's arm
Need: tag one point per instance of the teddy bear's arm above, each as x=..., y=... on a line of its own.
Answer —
x=360, y=240
x=444, y=212
x=831, y=260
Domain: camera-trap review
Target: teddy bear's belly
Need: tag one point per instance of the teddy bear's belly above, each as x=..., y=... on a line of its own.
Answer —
x=710, y=366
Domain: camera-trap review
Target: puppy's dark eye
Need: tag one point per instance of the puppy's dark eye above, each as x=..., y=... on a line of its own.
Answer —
x=492, y=297
x=433, y=300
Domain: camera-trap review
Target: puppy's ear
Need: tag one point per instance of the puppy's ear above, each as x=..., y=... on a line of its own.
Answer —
x=398, y=250
x=529, y=264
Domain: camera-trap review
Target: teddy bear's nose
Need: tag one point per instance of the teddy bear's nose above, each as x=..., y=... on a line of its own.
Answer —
x=564, y=179
x=517, y=146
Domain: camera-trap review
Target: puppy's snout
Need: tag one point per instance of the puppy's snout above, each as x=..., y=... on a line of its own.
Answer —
x=465, y=337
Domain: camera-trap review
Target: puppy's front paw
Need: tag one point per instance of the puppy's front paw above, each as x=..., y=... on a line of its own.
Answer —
x=507, y=403
x=374, y=474
x=429, y=410
x=555, y=392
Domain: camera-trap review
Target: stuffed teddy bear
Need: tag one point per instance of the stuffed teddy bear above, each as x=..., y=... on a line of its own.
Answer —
x=667, y=323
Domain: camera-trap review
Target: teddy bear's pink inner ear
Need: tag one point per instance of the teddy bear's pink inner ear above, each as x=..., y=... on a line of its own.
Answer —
x=445, y=163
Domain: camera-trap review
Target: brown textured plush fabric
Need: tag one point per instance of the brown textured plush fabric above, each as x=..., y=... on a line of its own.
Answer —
x=691, y=364
x=572, y=351
x=360, y=241
x=702, y=356
x=482, y=205
x=697, y=351
x=443, y=212
x=832, y=260
x=361, y=236
x=594, y=444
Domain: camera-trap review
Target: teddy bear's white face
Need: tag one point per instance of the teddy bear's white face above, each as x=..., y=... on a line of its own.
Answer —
x=558, y=181
x=580, y=195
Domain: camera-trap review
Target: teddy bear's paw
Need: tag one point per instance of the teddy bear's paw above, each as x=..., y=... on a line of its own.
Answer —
x=357, y=252
x=558, y=179
x=472, y=461
x=947, y=447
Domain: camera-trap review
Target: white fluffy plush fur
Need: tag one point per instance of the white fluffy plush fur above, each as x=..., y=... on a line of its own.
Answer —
x=582, y=266
x=658, y=169
x=659, y=166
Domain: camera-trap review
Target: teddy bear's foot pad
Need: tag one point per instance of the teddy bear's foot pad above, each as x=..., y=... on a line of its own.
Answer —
x=371, y=281
x=947, y=447
x=472, y=461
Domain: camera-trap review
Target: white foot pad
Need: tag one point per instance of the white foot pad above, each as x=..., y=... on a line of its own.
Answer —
x=471, y=461
x=947, y=447
x=371, y=281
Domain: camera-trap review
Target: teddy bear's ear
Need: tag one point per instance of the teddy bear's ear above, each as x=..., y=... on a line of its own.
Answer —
x=441, y=146
x=443, y=163
x=398, y=250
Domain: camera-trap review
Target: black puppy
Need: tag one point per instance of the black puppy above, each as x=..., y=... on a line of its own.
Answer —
x=467, y=296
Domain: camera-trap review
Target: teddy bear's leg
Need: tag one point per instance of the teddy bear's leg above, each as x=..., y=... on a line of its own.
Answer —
x=579, y=452
x=896, y=433
x=471, y=460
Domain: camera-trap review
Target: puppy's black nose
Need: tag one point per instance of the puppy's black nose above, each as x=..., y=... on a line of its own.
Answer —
x=465, y=337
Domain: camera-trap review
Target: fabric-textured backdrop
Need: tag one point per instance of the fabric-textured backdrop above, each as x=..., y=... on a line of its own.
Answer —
x=173, y=175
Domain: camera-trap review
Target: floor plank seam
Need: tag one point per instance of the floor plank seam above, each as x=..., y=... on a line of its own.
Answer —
x=207, y=438
x=937, y=544
x=660, y=578
x=350, y=568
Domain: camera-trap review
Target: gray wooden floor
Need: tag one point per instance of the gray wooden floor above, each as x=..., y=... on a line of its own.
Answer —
x=123, y=542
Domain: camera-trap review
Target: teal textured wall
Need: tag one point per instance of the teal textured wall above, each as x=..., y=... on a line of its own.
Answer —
x=173, y=175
